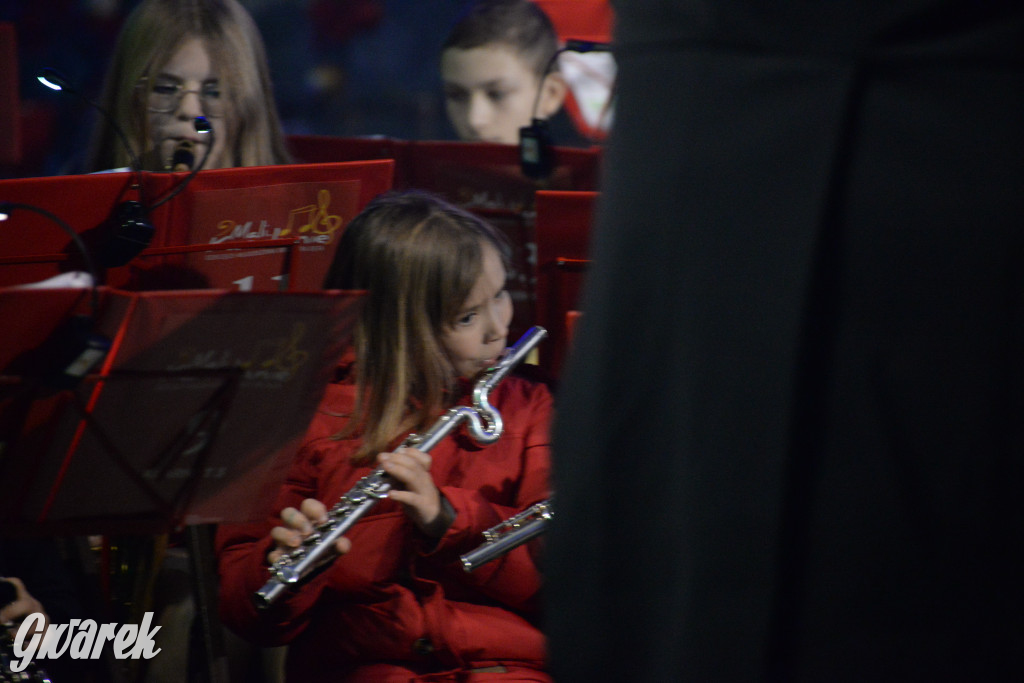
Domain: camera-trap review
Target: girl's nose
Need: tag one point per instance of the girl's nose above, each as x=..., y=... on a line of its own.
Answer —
x=190, y=105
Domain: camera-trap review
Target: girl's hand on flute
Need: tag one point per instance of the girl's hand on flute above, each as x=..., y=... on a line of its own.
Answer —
x=416, y=490
x=297, y=525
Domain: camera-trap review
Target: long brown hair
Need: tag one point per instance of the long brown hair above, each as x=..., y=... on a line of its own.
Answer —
x=419, y=258
x=150, y=36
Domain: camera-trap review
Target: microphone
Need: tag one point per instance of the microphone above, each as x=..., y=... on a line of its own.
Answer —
x=183, y=158
x=128, y=226
x=132, y=239
x=536, y=150
x=536, y=147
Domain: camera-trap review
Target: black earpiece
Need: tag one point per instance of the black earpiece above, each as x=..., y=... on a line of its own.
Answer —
x=536, y=150
x=129, y=233
x=536, y=146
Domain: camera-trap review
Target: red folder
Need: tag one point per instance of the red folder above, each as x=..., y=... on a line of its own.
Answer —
x=194, y=418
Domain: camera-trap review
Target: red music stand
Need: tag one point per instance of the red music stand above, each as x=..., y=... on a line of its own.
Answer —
x=474, y=174
x=34, y=248
x=319, y=149
x=257, y=265
x=310, y=203
x=212, y=235
x=193, y=418
x=564, y=220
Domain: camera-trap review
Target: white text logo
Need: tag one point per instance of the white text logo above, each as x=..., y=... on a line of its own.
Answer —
x=82, y=639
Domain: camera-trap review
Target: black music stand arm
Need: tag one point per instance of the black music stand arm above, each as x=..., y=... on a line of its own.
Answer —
x=203, y=561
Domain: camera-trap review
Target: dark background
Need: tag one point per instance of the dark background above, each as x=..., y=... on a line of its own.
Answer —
x=340, y=67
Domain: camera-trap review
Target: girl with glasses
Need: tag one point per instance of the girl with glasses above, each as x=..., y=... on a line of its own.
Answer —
x=176, y=60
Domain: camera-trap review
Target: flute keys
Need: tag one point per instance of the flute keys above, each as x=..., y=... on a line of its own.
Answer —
x=313, y=554
x=288, y=575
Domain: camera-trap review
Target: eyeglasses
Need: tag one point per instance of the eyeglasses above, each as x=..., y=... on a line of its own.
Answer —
x=164, y=97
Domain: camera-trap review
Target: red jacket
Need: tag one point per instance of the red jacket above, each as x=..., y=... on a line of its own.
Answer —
x=397, y=600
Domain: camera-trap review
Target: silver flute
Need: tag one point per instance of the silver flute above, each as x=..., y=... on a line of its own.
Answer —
x=299, y=565
x=511, y=533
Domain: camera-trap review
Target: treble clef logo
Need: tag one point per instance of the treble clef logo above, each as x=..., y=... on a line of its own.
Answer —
x=318, y=219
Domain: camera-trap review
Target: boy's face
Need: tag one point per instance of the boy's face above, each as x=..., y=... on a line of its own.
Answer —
x=489, y=93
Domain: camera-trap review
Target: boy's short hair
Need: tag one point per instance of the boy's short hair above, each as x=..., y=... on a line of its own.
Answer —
x=518, y=24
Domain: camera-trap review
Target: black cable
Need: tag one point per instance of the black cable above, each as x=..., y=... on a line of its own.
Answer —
x=55, y=80
x=8, y=207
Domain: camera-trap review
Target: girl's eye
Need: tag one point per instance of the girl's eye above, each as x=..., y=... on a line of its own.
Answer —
x=497, y=95
x=165, y=88
x=466, y=319
x=211, y=92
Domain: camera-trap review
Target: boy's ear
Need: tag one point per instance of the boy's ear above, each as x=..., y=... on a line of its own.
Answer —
x=553, y=90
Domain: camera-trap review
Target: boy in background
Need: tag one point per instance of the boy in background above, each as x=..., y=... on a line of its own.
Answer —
x=497, y=66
